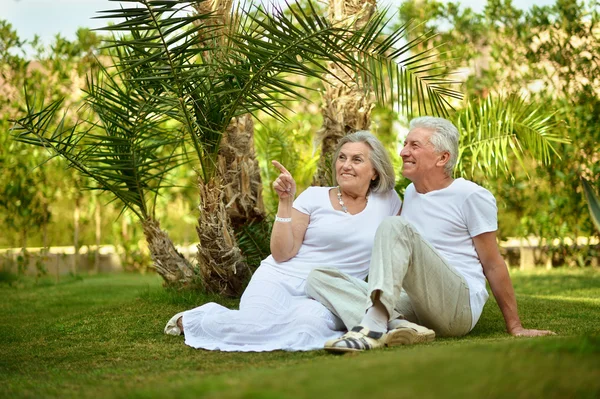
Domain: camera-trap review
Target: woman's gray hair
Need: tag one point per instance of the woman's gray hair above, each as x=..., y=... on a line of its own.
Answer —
x=445, y=137
x=386, y=179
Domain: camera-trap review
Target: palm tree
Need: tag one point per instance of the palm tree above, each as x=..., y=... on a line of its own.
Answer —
x=185, y=78
x=125, y=146
x=237, y=163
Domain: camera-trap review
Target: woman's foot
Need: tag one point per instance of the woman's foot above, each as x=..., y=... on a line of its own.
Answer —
x=175, y=325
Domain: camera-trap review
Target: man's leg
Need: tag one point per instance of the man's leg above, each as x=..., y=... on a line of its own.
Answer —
x=402, y=259
x=343, y=295
x=439, y=295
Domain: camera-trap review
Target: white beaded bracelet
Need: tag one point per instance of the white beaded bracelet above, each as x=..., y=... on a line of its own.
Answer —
x=284, y=220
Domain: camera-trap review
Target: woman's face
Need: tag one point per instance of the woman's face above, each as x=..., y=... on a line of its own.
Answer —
x=354, y=169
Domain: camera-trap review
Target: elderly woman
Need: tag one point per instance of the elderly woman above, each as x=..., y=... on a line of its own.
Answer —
x=324, y=226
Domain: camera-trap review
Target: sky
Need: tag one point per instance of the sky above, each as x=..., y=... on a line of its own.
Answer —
x=47, y=18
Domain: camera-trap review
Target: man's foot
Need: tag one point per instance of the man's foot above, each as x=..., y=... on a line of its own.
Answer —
x=174, y=326
x=356, y=340
x=407, y=333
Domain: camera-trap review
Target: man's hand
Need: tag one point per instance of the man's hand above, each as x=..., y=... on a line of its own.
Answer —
x=524, y=332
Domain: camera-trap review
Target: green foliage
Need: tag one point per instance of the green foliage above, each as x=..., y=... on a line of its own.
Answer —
x=37, y=202
x=293, y=147
x=130, y=244
x=128, y=152
x=254, y=240
x=8, y=277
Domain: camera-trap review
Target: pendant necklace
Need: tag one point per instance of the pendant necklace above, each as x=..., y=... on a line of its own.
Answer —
x=341, y=201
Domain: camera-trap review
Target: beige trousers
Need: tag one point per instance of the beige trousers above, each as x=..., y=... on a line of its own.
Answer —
x=408, y=276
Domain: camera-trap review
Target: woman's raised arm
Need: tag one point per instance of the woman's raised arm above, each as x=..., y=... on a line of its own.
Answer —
x=290, y=224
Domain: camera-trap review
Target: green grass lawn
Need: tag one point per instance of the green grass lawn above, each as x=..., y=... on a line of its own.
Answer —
x=102, y=336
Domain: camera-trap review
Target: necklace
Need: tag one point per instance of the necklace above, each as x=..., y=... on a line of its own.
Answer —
x=341, y=201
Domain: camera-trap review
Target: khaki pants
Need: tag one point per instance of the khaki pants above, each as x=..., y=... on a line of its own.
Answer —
x=410, y=278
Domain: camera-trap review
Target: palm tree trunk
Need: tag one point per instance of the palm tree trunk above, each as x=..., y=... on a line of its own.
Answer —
x=240, y=173
x=237, y=164
x=220, y=261
x=346, y=108
x=234, y=196
x=169, y=263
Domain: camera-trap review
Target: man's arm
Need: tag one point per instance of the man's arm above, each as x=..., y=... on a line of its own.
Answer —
x=496, y=272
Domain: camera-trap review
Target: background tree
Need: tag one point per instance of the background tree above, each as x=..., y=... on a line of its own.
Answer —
x=549, y=54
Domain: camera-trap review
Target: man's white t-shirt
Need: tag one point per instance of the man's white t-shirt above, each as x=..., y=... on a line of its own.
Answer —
x=449, y=219
x=334, y=238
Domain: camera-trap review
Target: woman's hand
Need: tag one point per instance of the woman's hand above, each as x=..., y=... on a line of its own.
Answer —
x=284, y=185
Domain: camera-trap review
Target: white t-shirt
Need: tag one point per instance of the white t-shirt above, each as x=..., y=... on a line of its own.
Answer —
x=449, y=219
x=334, y=238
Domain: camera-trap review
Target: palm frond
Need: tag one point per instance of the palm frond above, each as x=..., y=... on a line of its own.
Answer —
x=209, y=79
x=593, y=202
x=301, y=43
x=125, y=145
x=254, y=241
x=500, y=126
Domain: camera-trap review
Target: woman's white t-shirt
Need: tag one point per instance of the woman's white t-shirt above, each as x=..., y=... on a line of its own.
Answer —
x=334, y=238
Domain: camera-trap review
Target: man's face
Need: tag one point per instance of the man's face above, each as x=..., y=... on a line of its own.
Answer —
x=418, y=155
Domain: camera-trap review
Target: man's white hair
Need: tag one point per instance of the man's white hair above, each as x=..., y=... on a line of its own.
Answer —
x=444, y=137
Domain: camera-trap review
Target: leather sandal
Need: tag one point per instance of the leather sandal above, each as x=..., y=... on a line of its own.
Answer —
x=407, y=333
x=357, y=340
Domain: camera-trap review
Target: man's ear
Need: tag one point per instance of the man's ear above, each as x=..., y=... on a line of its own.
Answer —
x=444, y=158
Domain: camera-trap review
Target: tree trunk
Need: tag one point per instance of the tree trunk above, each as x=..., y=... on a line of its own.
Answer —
x=220, y=261
x=237, y=164
x=240, y=173
x=169, y=263
x=24, y=264
x=76, y=214
x=234, y=196
x=346, y=108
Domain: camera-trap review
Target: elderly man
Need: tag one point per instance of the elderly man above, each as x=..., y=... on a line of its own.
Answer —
x=428, y=266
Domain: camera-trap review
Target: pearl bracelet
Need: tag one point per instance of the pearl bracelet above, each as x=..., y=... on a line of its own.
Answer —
x=284, y=220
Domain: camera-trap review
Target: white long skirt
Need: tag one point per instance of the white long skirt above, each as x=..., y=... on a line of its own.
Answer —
x=274, y=314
